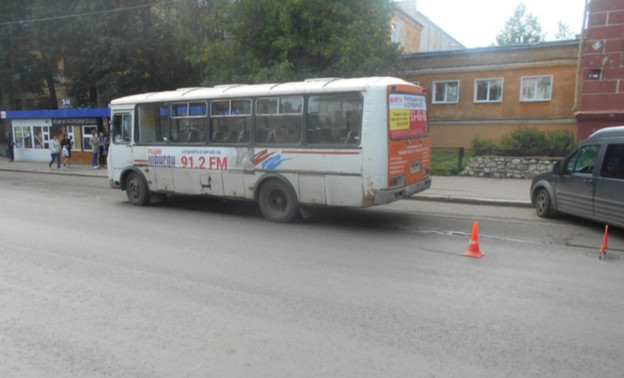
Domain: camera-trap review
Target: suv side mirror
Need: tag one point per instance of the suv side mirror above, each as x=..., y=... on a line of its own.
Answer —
x=557, y=168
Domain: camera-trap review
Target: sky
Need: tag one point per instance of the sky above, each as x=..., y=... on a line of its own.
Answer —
x=475, y=23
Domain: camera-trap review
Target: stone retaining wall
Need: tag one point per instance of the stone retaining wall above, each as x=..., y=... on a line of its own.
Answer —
x=508, y=166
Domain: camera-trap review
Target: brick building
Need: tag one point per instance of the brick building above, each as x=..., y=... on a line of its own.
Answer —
x=601, y=68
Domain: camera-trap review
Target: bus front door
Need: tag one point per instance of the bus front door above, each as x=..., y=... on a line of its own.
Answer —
x=120, y=153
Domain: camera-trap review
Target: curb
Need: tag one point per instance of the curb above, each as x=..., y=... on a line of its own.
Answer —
x=472, y=200
x=65, y=172
x=418, y=197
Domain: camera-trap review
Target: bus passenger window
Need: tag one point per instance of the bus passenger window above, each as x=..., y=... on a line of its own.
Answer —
x=334, y=119
x=188, y=122
x=279, y=120
x=153, y=123
x=230, y=121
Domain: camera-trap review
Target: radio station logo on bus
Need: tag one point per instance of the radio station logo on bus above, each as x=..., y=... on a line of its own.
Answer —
x=187, y=158
x=155, y=158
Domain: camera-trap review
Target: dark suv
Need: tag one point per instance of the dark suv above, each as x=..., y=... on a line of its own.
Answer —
x=589, y=183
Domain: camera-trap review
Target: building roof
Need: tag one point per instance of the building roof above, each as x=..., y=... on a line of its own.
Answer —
x=60, y=113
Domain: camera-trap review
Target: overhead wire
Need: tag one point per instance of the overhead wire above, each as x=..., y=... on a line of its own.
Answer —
x=94, y=13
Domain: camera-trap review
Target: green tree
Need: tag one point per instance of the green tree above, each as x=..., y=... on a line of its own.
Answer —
x=277, y=40
x=20, y=65
x=48, y=37
x=204, y=32
x=132, y=47
x=520, y=29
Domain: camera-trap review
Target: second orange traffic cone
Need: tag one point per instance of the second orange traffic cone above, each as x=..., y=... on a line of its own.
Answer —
x=473, y=247
x=603, y=247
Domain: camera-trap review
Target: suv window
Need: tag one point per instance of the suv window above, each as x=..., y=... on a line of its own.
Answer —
x=583, y=160
x=613, y=165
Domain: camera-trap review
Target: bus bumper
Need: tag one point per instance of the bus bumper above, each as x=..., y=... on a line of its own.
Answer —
x=391, y=195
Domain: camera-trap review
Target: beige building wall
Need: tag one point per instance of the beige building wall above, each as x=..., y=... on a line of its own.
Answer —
x=405, y=31
x=456, y=124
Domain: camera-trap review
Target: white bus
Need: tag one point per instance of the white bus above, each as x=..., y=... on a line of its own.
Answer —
x=289, y=146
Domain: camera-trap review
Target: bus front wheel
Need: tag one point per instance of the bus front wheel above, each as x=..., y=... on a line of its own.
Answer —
x=277, y=201
x=136, y=190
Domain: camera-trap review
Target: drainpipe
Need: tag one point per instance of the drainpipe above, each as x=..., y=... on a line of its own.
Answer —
x=580, y=56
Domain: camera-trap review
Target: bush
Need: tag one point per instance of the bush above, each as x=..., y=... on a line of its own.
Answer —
x=524, y=142
x=481, y=146
x=527, y=142
x=559, y=143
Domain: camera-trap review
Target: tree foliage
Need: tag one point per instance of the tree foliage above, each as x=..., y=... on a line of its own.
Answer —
x=521, y=28
x=20, y=67
x=102, y=49
x=136, y=50
x=276, y=40
x=564, y=32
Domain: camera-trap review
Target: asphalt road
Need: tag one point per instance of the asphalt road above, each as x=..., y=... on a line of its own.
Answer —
x=91, y=286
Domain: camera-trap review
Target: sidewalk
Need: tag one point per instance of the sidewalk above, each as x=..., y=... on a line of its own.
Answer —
x=74, y=169
x=481, y=190
x=457, y=189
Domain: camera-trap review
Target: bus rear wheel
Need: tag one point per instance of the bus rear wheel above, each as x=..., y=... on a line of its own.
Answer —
x=136, y=190
x=277, y=201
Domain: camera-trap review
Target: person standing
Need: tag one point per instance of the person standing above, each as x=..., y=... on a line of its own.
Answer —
x=95, y=149
x=102, y=149
x=11, y=144
x=66, y=144
x=55, y=152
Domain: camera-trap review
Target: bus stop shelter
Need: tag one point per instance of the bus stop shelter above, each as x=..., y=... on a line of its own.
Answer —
x=32, y=131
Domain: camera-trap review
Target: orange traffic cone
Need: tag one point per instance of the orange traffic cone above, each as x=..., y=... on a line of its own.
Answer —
x=473, y=246
x=603, y=247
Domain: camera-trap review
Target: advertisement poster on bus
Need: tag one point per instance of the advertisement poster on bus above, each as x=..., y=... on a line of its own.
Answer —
x=408, y=115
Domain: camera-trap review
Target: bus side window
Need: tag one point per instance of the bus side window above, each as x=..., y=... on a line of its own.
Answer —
x=313, y=132
x=334, y=120
x=354, y=120
x=230, y=121
x=263, y=133
x=232, y=130
x=216, y=130
x=153, y=123
x=243, y=127
x=121, y=128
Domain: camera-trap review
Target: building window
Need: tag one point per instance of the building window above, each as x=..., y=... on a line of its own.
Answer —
x=86, y=137
x=446, y=92
x=394, y=33
x=36, y=137
x=595, y=74
x=488, y=90
x=536, y=88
